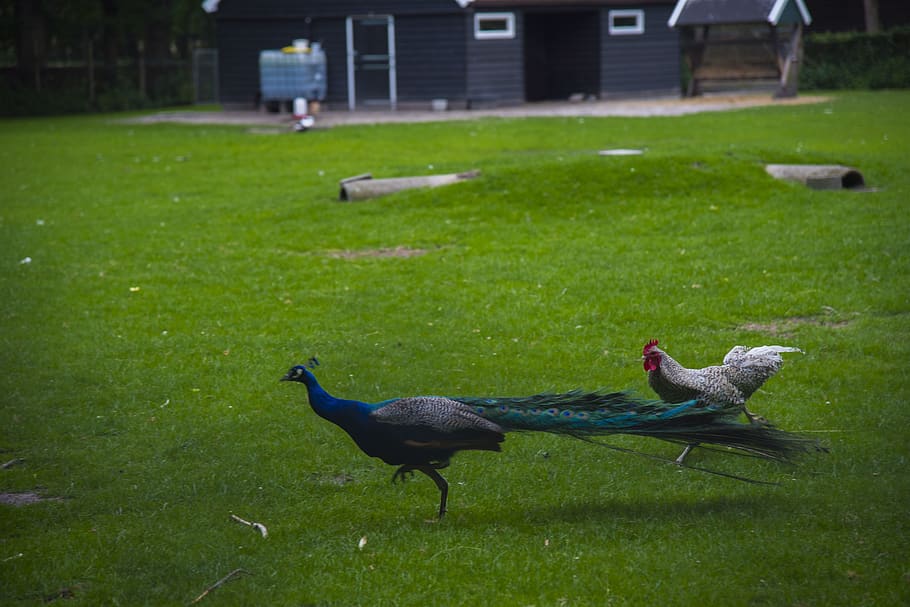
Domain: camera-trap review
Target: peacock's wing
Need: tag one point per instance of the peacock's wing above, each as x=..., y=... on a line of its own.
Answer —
x=434, y=417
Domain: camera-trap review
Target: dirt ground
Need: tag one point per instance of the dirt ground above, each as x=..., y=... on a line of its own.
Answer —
x=327, y=119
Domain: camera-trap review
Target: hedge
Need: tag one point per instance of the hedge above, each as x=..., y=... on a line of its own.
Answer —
x=857, y=60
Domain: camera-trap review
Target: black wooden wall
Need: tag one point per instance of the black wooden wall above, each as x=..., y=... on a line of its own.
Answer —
x=430, y=44
x=495, y=68
x=228, y=9
x=642, y=63
x=431, y=57
x=438, y=56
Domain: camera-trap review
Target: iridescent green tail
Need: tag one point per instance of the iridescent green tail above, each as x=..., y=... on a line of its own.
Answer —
x=586, y=414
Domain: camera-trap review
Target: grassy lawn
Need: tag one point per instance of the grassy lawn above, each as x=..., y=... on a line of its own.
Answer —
x=157, y=281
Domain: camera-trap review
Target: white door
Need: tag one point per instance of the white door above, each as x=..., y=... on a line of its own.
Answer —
x=371, y=62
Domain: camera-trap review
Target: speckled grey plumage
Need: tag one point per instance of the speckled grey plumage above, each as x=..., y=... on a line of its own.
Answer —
x=744, y=371
x=435, y=412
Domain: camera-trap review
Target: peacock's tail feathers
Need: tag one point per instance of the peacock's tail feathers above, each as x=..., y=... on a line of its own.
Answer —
x=586, y=414
x=765, y=441
x=575, y=412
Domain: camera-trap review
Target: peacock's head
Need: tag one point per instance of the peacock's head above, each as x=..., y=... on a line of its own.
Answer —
x=297, y=373
x=301, y=373
x=651, y=355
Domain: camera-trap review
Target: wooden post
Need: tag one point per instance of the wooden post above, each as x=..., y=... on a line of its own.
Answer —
x=90, y=67
x=37, y=65
x=789, y=73
x=140, y=44
x=695, y=55
x=780, y=50
x=870, y=11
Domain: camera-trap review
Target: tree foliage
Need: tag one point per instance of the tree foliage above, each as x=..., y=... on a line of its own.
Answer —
x=857, y=60
x=96, y=48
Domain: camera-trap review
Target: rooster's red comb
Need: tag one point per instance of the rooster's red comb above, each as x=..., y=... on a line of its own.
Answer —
x=648, y=346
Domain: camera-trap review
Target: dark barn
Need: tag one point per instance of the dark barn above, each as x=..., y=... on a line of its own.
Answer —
x=456, y=53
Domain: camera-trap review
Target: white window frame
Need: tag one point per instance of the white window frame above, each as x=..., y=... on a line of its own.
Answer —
x=508, y=32
x=626, y=30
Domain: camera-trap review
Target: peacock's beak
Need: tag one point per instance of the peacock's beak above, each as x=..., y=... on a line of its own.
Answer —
x=292, y=375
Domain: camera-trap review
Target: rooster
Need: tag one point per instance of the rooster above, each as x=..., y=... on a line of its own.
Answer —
x=726, y=386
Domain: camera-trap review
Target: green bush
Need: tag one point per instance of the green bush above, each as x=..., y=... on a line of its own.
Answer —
x=23, y=101
x=857, y=60
x=64, y=91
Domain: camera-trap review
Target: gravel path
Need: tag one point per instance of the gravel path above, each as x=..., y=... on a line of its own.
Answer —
x=325, y=119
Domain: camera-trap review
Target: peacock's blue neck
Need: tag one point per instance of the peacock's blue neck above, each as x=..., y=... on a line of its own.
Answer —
x=337, y=410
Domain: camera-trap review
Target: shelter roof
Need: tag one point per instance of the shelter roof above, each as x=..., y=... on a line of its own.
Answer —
x=716, y=12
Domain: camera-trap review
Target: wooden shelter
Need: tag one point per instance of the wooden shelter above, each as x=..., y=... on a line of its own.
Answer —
x=741, y=42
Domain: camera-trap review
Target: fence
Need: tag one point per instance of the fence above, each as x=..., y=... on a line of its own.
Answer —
x=74, y=86
x=205, y=75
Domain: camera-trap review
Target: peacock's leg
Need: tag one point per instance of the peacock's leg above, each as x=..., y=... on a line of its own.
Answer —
x=403, y=473
x=430, y=471
x=682, y=456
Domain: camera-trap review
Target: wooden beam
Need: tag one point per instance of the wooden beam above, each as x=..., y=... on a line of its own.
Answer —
x=695, y=54
x=789, y=76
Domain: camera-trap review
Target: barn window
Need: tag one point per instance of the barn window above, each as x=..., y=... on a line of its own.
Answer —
x=494, y=25
x=627, y=22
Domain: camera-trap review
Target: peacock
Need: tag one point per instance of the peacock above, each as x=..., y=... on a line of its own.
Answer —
x=423, y=433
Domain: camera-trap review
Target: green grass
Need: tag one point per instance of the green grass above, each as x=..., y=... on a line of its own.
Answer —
x=177, y=272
